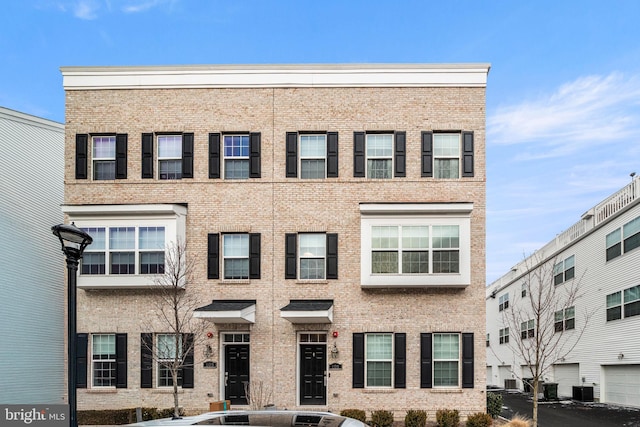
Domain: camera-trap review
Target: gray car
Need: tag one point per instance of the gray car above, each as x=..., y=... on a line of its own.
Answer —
x=277, y=418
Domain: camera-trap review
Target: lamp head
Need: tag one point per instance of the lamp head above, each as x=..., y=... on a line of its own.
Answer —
x=73, y=240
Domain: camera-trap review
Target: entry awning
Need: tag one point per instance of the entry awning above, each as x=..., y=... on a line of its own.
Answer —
x=308, y=311
x=228, y=311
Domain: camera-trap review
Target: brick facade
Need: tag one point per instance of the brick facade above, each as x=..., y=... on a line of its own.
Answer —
x=274, y=205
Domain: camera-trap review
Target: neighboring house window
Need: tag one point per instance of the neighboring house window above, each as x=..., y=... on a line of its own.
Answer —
x=108, y=156
x=379, y=155
x=504, y=336
x=523, y=290
x=167, y=351
x=488, y=340
x=623, y=239
x=623, y=304
x=236, y=156
x=564, y=270
x=104, y=157
x=447, y=155
x=446, y=360
x=565, y=319
x=503, y=302
x=527, y=329
x=170, y=156
x=416, y=249
x=311, y=256
x=239, y=152
x=240, y=256
x=235, y=252
x=127, y=250
x=379, y=360
x=103, y=357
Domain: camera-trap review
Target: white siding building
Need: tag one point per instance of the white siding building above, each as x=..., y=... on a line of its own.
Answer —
x=601, y=254
x=32, y=292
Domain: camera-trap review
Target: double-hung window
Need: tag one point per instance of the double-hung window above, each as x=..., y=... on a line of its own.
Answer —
x=379, y=360
x=413, y=249
x=174, y=155
x=527, y=329
x=170, y=156
x=503, y=302
x=564, y=270
x=446, y=360
x=104, y=157
x=235, y=250
x=623, y=239
x=236, y=156
x=103, y=364
x=240, y=256
x=504, y=336
x=623, y=303
x=312, y=255
x=313, y=152
x=565, y=319
x=447, y=155
x=379, y=155
x=169, y=354
x=312, y=155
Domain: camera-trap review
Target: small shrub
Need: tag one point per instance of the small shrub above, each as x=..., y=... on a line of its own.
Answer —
x=479, y=419
x=415, y=418
x=448, y=417
x=357, y=414
x=381, y=418
x=518, y=421
x=494, y=404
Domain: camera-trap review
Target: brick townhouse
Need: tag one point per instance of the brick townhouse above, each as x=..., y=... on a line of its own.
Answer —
x=336, y=214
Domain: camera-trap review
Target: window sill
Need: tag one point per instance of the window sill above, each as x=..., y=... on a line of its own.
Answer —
x=312, y=282
x=106, y=390
x=235, y=281
x=380, y=390
x=168, y=390
x=446, y=390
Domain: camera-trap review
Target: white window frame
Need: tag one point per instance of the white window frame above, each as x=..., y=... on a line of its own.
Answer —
x=564, y=270
x=95, y=159
x=161, y=363
x=302, y=256
x=226, y=158
x=226, y=257
x=171, y=217
x=504, y=336
x=626, y=296
x=530, y=327
x=503, y=302
x=437, y=156
x=169, y=158
x=112, y=361
x=302, y=157
x=374, y=157
x=368, y=359
x=561, y=318
x=458, y=360
x=458, y=214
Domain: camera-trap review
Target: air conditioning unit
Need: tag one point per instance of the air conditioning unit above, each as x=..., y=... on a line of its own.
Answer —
x=510, y=384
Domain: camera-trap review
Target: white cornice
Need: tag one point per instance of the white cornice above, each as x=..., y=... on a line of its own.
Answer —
x=275, y=76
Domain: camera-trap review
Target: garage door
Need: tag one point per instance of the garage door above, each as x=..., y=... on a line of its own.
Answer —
x=622, y=384
x=505, y=378
x=566, y=375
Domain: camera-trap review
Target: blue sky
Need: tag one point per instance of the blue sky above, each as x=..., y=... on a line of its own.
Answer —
x=563, y=113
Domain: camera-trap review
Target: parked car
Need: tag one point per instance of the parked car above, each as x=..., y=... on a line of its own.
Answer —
x=275, y=418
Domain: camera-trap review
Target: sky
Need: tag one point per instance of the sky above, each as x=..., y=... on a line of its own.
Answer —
x=563, y=92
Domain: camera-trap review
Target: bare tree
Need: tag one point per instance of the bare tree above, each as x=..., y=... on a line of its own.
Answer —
x=173, y=349
x=544, y=315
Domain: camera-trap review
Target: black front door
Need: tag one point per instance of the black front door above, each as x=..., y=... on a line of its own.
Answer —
x=236, y=373
x=313, y=370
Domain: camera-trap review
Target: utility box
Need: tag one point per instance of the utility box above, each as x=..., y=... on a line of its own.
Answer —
x=583, y=393
x=221, y=405
x=550, y=391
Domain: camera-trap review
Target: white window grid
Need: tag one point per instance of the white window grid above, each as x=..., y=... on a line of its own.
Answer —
x=504, y=336
x=170, y=156
x=103, y=360
x=313, y=156
x=446, y=152
x=235, y=253
x=312, y=247
x=503, y=302
x=103, y=154
x=379, y=353
x=447, y=355
x=236, y=156
x=379, y=149
x=166, y=353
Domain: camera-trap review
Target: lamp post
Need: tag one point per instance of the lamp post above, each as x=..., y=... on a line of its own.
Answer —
x=73, y=241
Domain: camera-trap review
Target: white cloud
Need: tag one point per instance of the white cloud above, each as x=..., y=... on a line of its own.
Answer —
x=590, y=110
x=86, y=9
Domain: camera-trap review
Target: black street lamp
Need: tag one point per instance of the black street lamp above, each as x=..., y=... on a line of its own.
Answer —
x=74, y=241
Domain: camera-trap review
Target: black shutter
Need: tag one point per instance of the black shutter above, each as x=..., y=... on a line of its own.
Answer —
x=400, y=155
x=426, y=379
x=121, y=155
x=187, y=155
x=254, y=256
x=358, y=360
x=213, y=256
x=147, y=155
x=121, y=360
x=467, y=154
x=146, y=360
x=187, y=365
x=400, y=360
x=359, y=154
x=467, y=360
x=292, y=154
x=254, y=155
x=332, y=256
x=82, y=146
x=291, y=251
x=427, y=154
x=82, y=344
x=214, y=155
x=332, y=154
